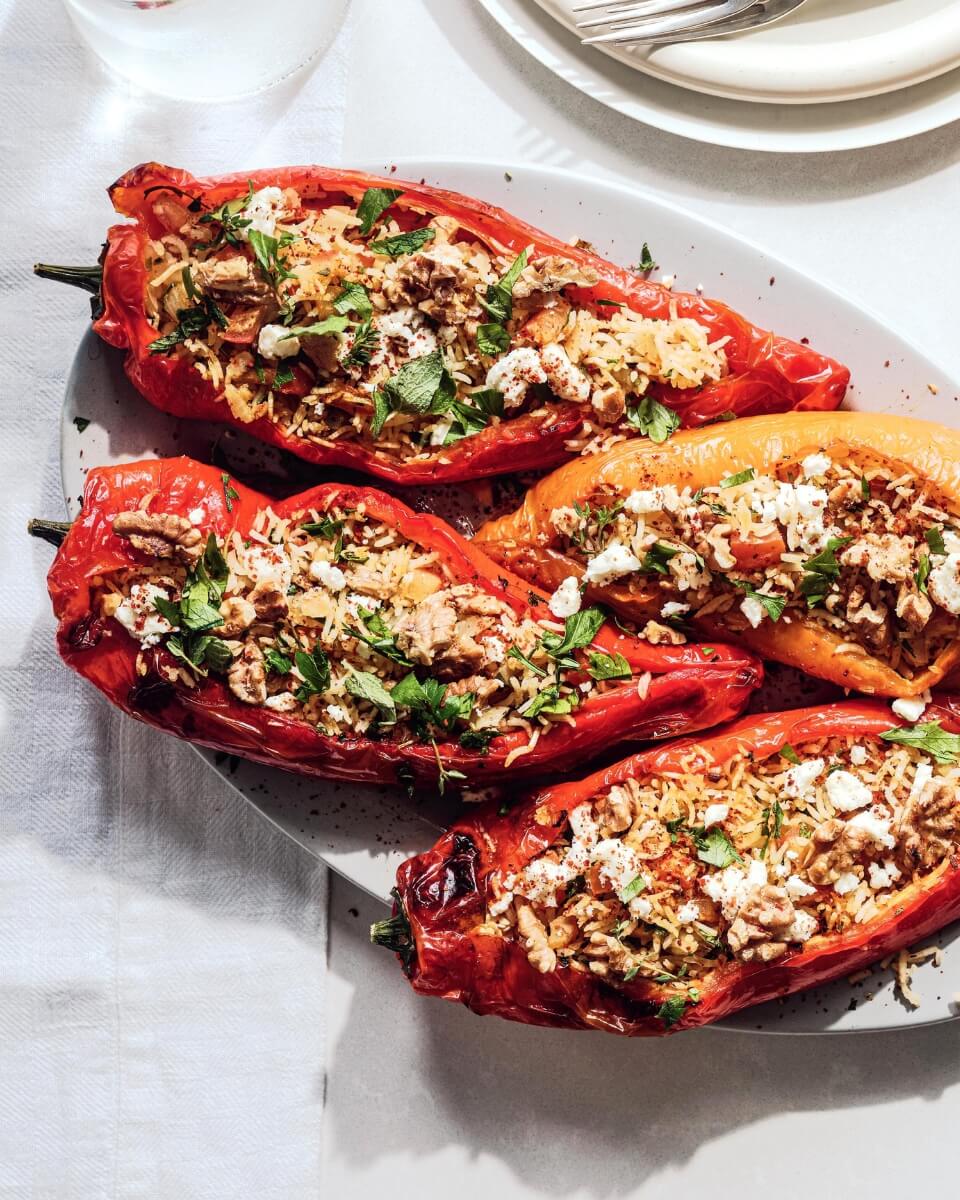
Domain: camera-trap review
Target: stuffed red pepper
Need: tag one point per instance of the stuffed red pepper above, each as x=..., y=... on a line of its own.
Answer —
x=697, y=878
x=340, y=633
x=412, y=332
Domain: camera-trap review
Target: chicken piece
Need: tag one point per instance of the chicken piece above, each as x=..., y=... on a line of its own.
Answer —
x=161, y=535
x=247, y=676
x=886, y=557
x=245, y=323
x=439, y=281
x=914, y=610
x=534, y=935
x=475, y=602
x=428, y=631
x=930, y=826
x=547, y=323
x=230, y=278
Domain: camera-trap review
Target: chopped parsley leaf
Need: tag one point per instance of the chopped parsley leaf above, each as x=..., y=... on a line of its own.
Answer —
x=373, y=203
x=403, y=243
x=654, y=420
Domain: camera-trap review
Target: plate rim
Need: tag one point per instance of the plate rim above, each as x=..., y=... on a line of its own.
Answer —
x=543, y=174
x=674, y=63
x=661, y=105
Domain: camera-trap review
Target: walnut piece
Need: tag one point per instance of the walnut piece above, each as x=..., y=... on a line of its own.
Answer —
x=534, y=935
x=930, y=825
x=161, y=535
x=247, y=677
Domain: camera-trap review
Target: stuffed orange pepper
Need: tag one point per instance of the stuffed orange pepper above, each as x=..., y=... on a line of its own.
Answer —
x=827, y=541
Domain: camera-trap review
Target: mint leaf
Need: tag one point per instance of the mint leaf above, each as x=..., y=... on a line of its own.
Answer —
x=266, y=250
x=773, y=606
x=923, y=573
x=517, y=653
x=317, y=329
x=315, y=669
x=373, y=203
x=672, y=1010
x=741, y=477
x=714, y=847
x=499, y=301
x=929, y=737
x=278, y=662
x=656, y=558
x=609, y=666
x=654, y=420
x=636, y=885
x=579, y=631
x=403, y=243
x=380, y=637
x=381, y=410
x=821, y=571
x=492, y=338
x=788, y=752
x=354, y=298
x=364, y=686
x=935, y=540
x=547, y=703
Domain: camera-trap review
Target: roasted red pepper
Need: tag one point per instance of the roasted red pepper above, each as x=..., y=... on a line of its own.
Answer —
x=767, y=373
x=448, y=951
x=710, y=685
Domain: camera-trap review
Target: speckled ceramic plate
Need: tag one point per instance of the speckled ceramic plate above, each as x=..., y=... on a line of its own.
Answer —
x=365, y=832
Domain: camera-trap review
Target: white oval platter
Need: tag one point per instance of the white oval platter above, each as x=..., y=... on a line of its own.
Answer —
x=365, y=832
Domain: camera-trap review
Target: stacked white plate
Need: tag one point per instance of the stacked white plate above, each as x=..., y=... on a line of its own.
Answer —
x=836, y=75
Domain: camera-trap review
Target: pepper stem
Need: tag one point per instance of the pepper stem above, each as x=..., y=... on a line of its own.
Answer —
x=50, y=531
x=88, y=278
x=394, y=934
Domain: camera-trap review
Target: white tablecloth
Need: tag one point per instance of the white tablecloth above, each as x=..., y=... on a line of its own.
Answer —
x=162, y=948
x=166, y=1029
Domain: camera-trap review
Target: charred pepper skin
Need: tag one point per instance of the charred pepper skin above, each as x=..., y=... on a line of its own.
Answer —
x=699, y=458
x=767, y=373
x=697, y=690
x=441, y=897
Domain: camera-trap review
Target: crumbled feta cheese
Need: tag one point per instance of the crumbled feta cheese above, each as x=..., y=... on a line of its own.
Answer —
x=688, y=912
x=802, y=928
x=921, y=777
x=585, y=830
x=847, y=882
x=439, y=431
x=565, y=601
x=326, y=573
x=268, y=565
x=753, y=610
x=797, y=888
x=846, y=792
x=195, y=516
x=688, y=571
x=668, y=281
x=338, y=714
x=541, y=879
x=513, y=374
x=410, y=326
x=137, y=613
x=943, y=583
x=715, y=814
x=275, y=342
x=262, y=210
x=618, y=864
x=951, y=542
x=781, y=870
x=730, y=887
x=800, y=507
x=641, y=908
x=858, y=755
x=911, y=708
x=610, y=564
x=281, y=702
x=652, y=500
x=883, y=876
x=565, y=380
x=875, y=826
x=815, y=466
x=797, y=782
x=673, y=608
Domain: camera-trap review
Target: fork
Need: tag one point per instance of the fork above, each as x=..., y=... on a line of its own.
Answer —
x=654, y=21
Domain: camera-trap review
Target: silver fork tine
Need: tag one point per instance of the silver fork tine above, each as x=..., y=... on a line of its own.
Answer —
x=638, y=9
x=617, y=8
x=663, y=27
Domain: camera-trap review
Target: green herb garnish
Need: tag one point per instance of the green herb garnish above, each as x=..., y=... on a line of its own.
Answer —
x=364, y=686
x=373, y=203
x=654, y=420
x=821, y=571
x=608, y=666
x=741, y=477
x=403, y=243
x=773, y=606
x=929, y=737
x=315, y=669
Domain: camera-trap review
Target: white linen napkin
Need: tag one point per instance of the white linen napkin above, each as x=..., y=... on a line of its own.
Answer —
x=162, y=948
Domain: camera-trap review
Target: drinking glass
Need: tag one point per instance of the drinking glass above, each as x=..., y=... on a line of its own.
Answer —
x=206, y=49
